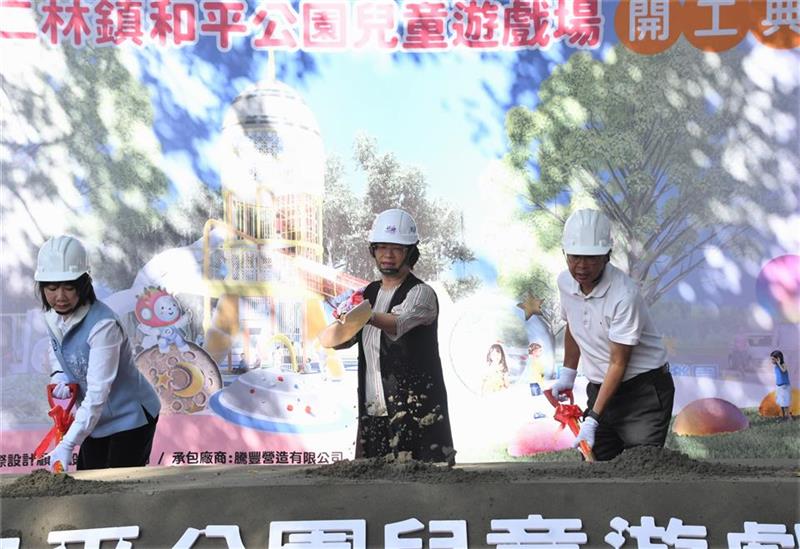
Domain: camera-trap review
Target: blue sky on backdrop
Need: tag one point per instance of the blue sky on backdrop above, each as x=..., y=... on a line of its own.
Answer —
x=441, y=112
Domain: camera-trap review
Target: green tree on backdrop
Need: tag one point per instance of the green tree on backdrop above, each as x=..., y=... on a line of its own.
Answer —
x=347, y=217
x=83, y=143
x=681, y=150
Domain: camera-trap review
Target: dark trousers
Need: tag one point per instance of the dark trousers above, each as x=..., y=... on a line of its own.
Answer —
x=637, y=415
x=125, y=449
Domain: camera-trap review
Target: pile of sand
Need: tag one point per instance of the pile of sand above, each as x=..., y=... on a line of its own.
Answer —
x=42, y=482
x=654, y=463
x=402, y=469
x=640, y=463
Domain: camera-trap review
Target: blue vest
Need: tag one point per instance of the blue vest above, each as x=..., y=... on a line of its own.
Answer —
x=130, y=391
x=781, y=377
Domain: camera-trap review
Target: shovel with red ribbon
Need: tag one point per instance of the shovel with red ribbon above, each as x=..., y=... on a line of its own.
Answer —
x=62, y=418
x=569, y=415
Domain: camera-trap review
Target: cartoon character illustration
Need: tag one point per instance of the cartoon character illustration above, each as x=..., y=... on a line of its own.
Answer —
x=496, y=378
x=537, y=367
x=161, y=319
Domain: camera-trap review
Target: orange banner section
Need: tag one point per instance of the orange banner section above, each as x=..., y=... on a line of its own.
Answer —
x=652, y=26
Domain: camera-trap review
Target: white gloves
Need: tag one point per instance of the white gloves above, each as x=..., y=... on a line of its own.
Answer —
x=61, y=390
x=61, y=454
x=588, y=429
x=566, y=379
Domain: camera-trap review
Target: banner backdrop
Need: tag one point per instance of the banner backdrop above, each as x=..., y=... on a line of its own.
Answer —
x=223, y=162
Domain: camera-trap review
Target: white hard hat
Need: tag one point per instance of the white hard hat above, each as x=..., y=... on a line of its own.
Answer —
x=61, y=258
x=394, y=227
x=587, y=232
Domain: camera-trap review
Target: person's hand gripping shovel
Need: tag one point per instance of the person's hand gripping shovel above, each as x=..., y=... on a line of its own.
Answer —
x=569, y=415
x=349, y=317
x=62, y=418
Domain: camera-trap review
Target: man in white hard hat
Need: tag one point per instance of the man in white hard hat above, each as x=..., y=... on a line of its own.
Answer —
x=118, y=409
x=402, y=401
x=611, y=336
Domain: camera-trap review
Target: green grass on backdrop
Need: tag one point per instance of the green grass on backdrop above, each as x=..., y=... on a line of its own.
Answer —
x=766, y=438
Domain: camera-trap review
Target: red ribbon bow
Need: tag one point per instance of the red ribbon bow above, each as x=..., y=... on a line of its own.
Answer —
x=569, y=415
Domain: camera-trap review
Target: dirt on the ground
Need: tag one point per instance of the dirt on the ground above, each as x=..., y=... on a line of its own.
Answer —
x=403, y=469
x=654, y=463
x=42, y=482
x=638, y=464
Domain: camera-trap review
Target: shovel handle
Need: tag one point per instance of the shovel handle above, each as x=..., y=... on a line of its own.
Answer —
x=73, y=396
x=548, y=393
x=586, y=450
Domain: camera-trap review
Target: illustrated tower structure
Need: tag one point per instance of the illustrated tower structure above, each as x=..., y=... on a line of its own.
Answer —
x=265, y=277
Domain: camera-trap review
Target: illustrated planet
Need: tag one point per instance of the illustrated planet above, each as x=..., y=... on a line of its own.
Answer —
x=709, y=416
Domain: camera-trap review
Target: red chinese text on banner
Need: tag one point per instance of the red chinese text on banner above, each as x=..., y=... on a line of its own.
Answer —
x=77, y=25
x=324, y=25
x=526, y=24
x=105, y=30
x=129, y=22
x=13, y=12
x=426, y=26
x=173, y=19
x=580, y=21
x=52, y=20
x=475, y=24
x=375, y=24
x=279, y=21
x=222, y=19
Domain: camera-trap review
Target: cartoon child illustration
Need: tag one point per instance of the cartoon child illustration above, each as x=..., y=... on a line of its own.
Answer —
x=496, y=378
x=537, y=367
x=161, y=320
x=783, y=391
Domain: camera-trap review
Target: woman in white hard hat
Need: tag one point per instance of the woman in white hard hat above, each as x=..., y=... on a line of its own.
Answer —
x=611, y=336
x=117, y=408
x=402, y=400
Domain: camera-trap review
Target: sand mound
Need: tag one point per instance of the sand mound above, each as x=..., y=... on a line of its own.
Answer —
x=42, y=482
x=640, y=463
x=403, y=469
x=651, y=462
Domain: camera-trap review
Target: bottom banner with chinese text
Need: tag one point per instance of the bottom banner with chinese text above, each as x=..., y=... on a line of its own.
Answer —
x=365, y=505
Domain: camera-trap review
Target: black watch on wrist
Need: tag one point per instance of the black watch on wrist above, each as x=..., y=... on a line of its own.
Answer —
x=594, y=415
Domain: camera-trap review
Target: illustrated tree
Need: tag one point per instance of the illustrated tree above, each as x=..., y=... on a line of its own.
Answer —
x=83, y=146
x=674, y=148
x=82, y=152
x=347, y=217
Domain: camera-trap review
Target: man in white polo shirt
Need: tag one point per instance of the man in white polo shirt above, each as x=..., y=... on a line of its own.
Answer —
x=611, y=336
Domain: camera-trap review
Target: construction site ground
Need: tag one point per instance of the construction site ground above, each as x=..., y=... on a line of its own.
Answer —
x=166, y=501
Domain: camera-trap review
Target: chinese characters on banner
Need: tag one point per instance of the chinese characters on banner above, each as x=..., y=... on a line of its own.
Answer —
x=652, y=26
x=250, y=457
x=644, y=26
x=325, y=25
x=535, y=531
